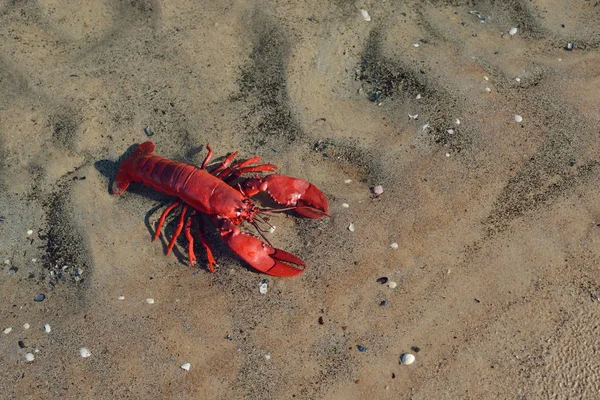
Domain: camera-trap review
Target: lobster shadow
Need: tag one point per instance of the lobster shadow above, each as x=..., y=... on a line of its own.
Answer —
x=109, y=168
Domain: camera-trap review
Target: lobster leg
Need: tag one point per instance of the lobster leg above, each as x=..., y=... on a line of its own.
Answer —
x=178, y=229
x=209, y=255
x=226, y=163
x=207, y=158
x=161, y=221
x=258, y=254
x=305, y=198
x=190, y=239
x=237, y=172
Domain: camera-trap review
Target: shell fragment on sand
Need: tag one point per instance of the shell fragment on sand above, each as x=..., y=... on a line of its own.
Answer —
x=365, y=15
x=84, y=352
x=186, y=366
x=407, y=359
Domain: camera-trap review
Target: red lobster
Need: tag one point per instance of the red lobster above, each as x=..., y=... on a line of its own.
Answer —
x=212, y=193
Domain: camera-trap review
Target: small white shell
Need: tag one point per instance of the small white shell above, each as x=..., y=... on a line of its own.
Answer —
x=272, y=229
x=29, y=232
x=416, y=45
x=186, y=366
x=378, y=189
x=416, y=116
x=8, y=330
x=450, y=131
x=518, y=118
x=264, y=287
x=47, y=328
x=518, y=79
x=26, y=325
x=267, y=356
x=394, y=245
x=457, y=121
x=425, y=127
x=407, y=359
x=347, y=180
x=85, y=353
x=351, y=227
x=29, y=357
x=512, y=31
x=345, y=205
x=150, y=301
x=486, y=78
x=418, y=97
x=121, y=297
x=487, y=89
x=392, y=285
x=365, y=15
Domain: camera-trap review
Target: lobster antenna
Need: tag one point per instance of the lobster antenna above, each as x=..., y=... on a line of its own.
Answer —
x=276, y=210
x=261, y=234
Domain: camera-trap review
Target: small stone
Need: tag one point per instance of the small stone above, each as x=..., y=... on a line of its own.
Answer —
x=351, y=227
x=347, y=180
x=47, y=328
x=425, y=127
x=447, y=154
x=267, y=357
x=392, y=285
x=487, y=89
x=450, y=131
x=365, y=15
x=457, y=122
x=486, y=78
x=272, y=229
x=384, y=303
x=29, y=232
x=26, y=325
x=186, y=366
x=569, y=46
x=383, y=280
x=360, y=348
x=29, y=357
x=418, y=97
x=148, y=131
x=7, y=262
x=8, y=330
x=415, y=117
x=150, y=301
x=34, y=260
x=378, y=190
x=394, y=245
x=39, y=297
x=85, y=353
x=512, y=31
x=416, y=44
x=21, y=344
x=121, y=297
x=518, y=118
x=264, y=286
x=345, y=205
x=407, y=359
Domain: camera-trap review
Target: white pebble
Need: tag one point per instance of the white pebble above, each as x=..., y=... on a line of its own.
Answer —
x=450, y=131
x=486, y=78
x=418, y=97
x=150, y=301
x=394, y=245
x=487, y=89
x=518, y=79
x=457, y=122
x=407, y=359
x=29, y=232
x=512, y=31
x=416, y=116
x=7, y=262
x=416, y=44
x=518, y=118
x=26, y=325
x=85, y=353
x=365, y=15
x=8, y=330
x=378, y=189
x=425, y=127
x=264, y=286
x=351, y=227
x=272, y=229
x=267, y=356
x=34, y=260
x=29, y=357
x=347, y=180
x=47, y=328
x=392, y=285
x=121, y=297
x=345, y=205
x=447, y=154
x=186, y=366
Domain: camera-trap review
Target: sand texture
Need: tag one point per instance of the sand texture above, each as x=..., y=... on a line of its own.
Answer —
x=497, y=221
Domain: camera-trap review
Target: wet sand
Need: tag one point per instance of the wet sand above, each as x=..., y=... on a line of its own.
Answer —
x=497, y=222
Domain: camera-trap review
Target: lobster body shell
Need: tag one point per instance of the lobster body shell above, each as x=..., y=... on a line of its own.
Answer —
x=196, y=187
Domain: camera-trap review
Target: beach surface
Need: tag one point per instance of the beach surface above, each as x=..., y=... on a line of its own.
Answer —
x=478, y=119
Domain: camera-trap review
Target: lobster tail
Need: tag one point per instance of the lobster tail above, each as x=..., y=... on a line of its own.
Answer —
x=123, y=178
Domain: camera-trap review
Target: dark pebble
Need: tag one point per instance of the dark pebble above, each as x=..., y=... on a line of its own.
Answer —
x=148, y=131
x=383, y=280
x=477, y=300
x=360, y=348
x=321, y=321
x=228, y=337
x=39, y=297
x=393, y=375
x=21, y=344
x=384, y=303
x=415, y=349
x=1, y=219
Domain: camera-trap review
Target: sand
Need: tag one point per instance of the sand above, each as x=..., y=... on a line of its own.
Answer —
x=497, y=222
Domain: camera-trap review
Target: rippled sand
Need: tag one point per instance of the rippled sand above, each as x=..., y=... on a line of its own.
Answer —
x=497, y=221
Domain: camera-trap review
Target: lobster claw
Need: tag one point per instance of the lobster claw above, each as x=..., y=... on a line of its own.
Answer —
x=258, y=254
x=305, y=197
